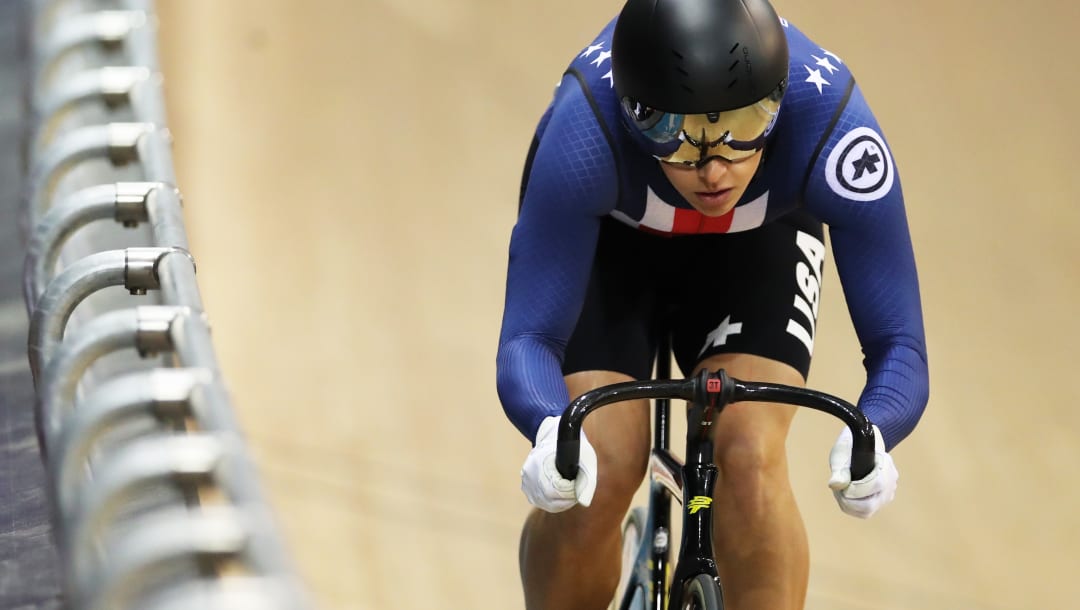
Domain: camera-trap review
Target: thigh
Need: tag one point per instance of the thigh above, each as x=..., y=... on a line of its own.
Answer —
x=617, y=327
x=619, y=432
x=753, y=293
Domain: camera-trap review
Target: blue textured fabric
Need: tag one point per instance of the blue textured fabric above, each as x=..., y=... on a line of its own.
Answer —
x=876, y=263
x=826, y=155
x=572, y=185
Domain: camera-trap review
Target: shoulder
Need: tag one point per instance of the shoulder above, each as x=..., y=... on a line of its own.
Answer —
x=585, y=94
x=826, y=135
x=576, y=165
x=591, y=70
x=819, y=85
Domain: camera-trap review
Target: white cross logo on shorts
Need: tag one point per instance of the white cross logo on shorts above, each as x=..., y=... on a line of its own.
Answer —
x=720, y=335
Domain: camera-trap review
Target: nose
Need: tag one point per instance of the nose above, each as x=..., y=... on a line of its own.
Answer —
x=713, y=171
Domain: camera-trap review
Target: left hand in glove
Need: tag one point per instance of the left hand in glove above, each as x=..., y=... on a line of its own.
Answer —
x=864, y=497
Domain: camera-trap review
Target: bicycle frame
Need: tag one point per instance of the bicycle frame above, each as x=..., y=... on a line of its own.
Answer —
x=692, y=484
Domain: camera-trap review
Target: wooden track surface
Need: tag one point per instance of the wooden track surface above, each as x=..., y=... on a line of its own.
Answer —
x=350, y=172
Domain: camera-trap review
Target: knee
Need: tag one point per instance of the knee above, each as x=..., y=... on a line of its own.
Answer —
x=751, y=468
x=619, y=477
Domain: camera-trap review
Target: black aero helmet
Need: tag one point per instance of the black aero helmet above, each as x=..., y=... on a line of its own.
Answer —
x=703, y=76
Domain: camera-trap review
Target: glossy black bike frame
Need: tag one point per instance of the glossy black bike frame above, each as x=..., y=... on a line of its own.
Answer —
x=707, y=394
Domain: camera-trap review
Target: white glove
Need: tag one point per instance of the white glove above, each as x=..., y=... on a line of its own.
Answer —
x=862, y=498
x=540, y=480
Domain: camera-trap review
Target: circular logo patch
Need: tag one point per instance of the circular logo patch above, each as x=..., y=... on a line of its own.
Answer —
x=859, y=166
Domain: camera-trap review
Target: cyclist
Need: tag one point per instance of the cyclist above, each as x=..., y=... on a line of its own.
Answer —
x=678, y=183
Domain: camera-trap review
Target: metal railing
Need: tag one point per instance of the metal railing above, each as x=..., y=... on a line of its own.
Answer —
x=155, y=499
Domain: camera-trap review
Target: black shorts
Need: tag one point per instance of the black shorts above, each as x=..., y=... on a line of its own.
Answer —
x=754, y=292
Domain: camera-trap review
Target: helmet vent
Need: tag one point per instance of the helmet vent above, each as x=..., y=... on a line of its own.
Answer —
x=678, y=68
x=679, y=59
x=731, y=68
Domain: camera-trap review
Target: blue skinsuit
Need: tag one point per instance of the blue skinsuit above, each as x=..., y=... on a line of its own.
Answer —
x=825, y=155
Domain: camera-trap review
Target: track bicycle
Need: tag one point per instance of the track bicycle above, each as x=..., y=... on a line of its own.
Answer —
x=695, y=583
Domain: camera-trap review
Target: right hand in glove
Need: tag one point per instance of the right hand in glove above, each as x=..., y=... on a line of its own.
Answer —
x=540, y=480
x=865, y=497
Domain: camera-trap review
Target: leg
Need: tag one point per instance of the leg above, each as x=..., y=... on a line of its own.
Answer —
x=570, y=560
x=759, y=537
x=756, y=319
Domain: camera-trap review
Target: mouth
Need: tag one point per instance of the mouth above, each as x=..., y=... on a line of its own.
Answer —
x=714, y=198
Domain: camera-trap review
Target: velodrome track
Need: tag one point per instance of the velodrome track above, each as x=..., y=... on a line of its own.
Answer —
x=350, y=172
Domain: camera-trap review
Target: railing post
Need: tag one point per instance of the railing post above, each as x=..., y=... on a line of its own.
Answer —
x=152, y=489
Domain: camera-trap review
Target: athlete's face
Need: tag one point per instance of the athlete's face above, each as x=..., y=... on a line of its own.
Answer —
x=714, y=188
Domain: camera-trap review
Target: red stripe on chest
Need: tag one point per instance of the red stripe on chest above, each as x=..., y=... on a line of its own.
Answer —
x=693, y=221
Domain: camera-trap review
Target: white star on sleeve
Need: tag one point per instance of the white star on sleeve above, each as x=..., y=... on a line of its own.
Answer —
x=832, y=55
x=601, y=57
x=592, y=49
x=816, y=78
x=825, y=63
x=610, y=78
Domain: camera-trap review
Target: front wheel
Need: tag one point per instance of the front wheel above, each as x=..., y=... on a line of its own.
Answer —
x=703, y=593
x=633, y=536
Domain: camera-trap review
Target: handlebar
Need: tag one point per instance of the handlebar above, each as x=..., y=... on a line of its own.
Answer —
x=719, y=390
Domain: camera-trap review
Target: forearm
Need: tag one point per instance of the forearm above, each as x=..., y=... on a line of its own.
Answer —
x=530, y=382
x=897, y=389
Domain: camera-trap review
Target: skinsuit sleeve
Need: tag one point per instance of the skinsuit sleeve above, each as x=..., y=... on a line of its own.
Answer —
x=572, y=184
x=853, y=187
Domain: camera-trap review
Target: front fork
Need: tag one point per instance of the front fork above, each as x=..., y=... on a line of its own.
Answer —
x=696, y=550
x=660, y=530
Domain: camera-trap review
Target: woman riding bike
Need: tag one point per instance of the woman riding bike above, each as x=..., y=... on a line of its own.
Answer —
x=679, y=183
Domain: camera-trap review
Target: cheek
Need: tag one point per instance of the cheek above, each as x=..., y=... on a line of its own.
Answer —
x=749, y=169
x=684, y=181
